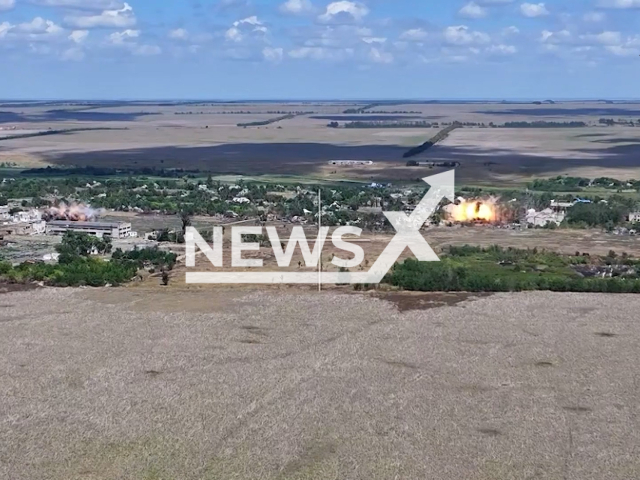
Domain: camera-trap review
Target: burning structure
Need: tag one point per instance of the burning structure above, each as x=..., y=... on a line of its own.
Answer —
x=82, y=218
x=74, y=213
x=477, y=210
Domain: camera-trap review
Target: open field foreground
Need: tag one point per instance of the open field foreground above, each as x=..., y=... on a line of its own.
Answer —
x=143, y=383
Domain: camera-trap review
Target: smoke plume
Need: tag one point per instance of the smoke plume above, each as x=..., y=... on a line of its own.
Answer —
x=75, y=212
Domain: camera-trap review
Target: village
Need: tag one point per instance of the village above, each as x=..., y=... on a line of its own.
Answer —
x=139, y=212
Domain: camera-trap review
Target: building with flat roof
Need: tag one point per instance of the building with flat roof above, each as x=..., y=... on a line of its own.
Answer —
x=98, y=229
x=350, y=162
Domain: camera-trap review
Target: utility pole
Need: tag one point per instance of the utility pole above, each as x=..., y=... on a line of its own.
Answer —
x=318, y=238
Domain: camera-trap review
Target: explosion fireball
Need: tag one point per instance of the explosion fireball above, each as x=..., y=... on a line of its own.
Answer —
x=474, y=210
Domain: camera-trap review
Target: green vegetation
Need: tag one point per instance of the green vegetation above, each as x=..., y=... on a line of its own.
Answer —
x=91, y=171
x=207, y=197
x=384, y=124
x=245, y=112
x=544, y=124
x=267, y=122
x=579, y=184
x=607, y=215
x=496, y=269
x=55, y=132
x=361, y=109
x=78, y=266
x=610, y=122
x=430, y=143
x=426, y=124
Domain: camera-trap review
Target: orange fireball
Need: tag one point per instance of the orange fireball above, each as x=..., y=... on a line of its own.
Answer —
x=473, y=210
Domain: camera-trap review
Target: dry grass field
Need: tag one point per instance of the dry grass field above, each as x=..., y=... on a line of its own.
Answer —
x=166, y=137
x=150, y=384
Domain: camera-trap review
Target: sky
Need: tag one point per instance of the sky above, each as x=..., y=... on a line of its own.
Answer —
x=319, y=49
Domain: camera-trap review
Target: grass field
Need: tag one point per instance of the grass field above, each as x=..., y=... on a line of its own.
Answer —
x=150, y=384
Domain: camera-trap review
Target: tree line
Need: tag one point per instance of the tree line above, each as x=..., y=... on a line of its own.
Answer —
x=78, y=264
x=474, y=269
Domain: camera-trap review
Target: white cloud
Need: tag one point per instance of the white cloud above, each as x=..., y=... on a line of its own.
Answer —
x=461, y=35
x=562, y=36
x=625, y=47
x=233, y=35
x=37, y=30
x=95, y=5
x=372, y=40
x=337, y=10
x=609, y=41
x=605, y=38
x=146, y=50
x=321, y=53
x=621, y=51
x=7, y=5
x=78, y=36
x=247, y=27
x=502, y=49
x=594, y=17
x=338, y=37
x=534, y=10
x=414, y=35
x=512, y=30
x=5, y=27
x=73, y=54
x=473, y=10
x=179, y=34
x=620, y=4
x=297, y=7
x=379, y=56
x=271, y=54
x=39, y=26
x=120, y=38
x=121, y=18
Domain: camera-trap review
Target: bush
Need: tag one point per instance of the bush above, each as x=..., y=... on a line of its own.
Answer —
x=77, y=269
x=495, y=269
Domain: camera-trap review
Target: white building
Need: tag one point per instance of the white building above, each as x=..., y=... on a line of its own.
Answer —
x=546, y=216
x=350, y=162
x=98, y=229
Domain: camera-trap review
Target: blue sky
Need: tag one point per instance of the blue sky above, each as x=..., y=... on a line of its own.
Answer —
x=319, y=49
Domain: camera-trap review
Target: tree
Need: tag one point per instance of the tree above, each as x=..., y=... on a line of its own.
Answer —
x=185, y=219
x=165, y=278
x=75, y=244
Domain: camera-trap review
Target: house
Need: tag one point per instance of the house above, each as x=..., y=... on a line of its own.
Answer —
x=634, y=217
x=561, y=206
x=546, y=216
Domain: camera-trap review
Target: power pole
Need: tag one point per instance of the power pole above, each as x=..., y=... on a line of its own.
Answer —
x=318, y=238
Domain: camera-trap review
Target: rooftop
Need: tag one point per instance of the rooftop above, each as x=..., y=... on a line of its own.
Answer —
x=69, y=223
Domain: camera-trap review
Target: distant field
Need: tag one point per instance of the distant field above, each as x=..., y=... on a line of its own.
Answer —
x=514, y=155
x=203, y=137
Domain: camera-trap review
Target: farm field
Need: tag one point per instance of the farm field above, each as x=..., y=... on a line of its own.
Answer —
x=291, y=384
x=202, y=137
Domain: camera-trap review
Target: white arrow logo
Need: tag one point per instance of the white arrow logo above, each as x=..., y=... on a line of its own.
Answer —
x=407, y=236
